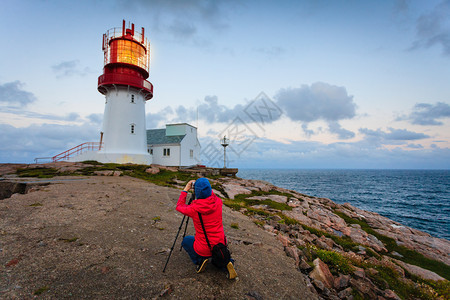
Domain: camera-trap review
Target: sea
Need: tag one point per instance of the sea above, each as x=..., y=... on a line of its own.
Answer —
x=416, y=198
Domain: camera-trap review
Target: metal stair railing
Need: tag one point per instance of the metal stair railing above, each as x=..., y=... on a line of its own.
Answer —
x=66, y=155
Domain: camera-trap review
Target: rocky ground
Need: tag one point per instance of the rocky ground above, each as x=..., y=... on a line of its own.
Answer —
x=94, y=236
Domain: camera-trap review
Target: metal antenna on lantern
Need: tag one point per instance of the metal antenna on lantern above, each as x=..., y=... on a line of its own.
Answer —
x=225, y=142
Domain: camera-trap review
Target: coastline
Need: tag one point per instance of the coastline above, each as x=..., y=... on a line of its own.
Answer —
x=362, y=245
x=419, y=199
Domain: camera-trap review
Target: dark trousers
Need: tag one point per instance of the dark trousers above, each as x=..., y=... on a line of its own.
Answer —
x=188, y=245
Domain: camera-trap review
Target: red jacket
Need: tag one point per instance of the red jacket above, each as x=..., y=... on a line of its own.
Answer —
x=211, y=210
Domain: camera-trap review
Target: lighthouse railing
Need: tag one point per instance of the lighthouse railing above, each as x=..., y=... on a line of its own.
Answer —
x=88, y=146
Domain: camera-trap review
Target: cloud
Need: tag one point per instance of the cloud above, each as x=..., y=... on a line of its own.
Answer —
x=342, y=133
x=95, y=118
x=70, y=117
x=46, y=140
x=433, y=29
x=13, y=95
x=158, y=119
x=320, y=101
x=394, y=134
x=186, y=19
x=428, y=114
x=266, y=153
x=69, y=69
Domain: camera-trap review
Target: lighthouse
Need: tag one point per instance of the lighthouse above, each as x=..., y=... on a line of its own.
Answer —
x=124, y=83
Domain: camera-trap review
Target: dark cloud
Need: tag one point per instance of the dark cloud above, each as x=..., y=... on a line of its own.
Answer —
x=428, y=114
x=210, y=111
x=158, y=119
x=342, y=133
x=394, y=134
x=25, y=144
x=320, y=101
x=185, y=19
x=415, y=146
x=12, y=94
x=306, y=104
x=433, y=29
x=70, y=68
x=71, y=117
x=95, y=118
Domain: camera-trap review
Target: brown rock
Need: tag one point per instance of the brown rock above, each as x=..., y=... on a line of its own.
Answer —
x=104, y=173
x=293, y=252
x=359, y=272
x=345, y=293
x=319, y=285
x=284, y=240
x=322, y=272
x=361, y=286
x=152, y=170
x=233, y=189
x=389, y=294
x=341, y=282
x=418, y=271
x=304, y=266
x=299, y=242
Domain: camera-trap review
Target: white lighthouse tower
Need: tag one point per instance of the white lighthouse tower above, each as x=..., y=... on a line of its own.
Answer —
x=123, y=82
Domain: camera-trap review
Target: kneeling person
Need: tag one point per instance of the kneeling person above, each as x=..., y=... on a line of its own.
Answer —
x=206, y=208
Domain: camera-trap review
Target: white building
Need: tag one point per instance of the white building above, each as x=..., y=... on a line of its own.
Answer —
x=176, y=145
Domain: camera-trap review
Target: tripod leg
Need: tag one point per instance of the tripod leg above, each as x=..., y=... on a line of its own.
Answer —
x=184, y=234
x=173, y=245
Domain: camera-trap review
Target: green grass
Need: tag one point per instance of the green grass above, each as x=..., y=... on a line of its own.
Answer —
x=37, y=172
x=388, y=278
x=335, y=261
x=36, y=204
x=270, y=203
x=41, y=290
x=234, y=225
x=71, y=240
x=409, y=256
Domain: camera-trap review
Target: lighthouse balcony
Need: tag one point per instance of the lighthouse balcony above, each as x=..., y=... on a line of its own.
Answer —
x=106, y=81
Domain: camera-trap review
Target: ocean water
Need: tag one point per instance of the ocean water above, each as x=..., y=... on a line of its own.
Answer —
x=416, y=198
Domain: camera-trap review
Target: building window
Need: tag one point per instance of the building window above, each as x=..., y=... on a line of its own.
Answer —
x=132, y=128
x=166, y=152
x=191, y=154
x=132, y=98
x=150, y=151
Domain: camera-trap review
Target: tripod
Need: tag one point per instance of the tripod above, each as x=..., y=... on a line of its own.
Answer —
x=179, y=229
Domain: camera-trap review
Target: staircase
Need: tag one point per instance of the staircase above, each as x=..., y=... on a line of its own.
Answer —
x=66, y=155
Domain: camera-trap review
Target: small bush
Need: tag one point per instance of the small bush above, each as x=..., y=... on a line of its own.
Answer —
x=234, y=225
x=335, y=261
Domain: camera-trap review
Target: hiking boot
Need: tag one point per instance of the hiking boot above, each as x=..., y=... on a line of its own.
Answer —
x=201, y=267
x=231, y=271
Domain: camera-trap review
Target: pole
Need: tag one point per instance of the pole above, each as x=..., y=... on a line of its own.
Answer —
x=224, y=156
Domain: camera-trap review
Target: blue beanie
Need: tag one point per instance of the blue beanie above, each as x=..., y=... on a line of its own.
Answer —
x=202, y=188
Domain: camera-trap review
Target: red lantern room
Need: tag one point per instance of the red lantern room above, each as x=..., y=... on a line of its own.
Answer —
x=126, y=61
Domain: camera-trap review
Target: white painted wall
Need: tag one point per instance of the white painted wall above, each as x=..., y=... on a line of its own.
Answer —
x=120, y=114
x=160, y=159
x=190, y=142
x=124, y=108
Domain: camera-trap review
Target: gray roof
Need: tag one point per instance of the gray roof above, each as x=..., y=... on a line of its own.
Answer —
x=158, y=137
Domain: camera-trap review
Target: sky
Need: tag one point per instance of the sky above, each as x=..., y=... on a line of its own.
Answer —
x=292, y=84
